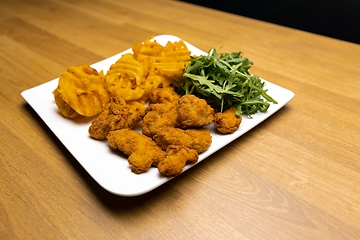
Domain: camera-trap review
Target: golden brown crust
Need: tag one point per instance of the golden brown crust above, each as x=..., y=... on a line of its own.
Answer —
x=175, y=159
x=164, y=95
x=193, y=112
x=198, y=139
x=141, y=150
x=158, y=116
x=227, y=121
x=116, y=114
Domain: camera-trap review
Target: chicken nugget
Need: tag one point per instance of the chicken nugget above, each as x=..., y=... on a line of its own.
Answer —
x=227, y=121
x=193, y=112
x=141, y=150
x=164, y=95
x=158, y=116
x=198, y=139
x=175, y=159
x=116, y=114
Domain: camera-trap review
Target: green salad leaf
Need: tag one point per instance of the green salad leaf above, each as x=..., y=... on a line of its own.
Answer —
x=223, y=80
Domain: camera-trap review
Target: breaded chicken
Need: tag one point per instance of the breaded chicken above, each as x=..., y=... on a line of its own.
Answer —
x=193, y=112
x=141, y=150
x=158, y=116
x=116, y=114
x=227, y=121
x=198, y=139
x=175, y=159
x=164, y=95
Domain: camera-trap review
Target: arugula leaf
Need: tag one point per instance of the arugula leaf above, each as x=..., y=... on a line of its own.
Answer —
x=223, y=80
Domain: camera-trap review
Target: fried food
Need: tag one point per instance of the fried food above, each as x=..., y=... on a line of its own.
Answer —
x=175, y=159
x=82, y=88
x=127, y=78
x=164, y=95
x=163, y=62
x=194, y=112
x=116, y=114
x=198, y=139
x=148, y=48
x=158, y=116
x=64, y=108
x=227, y=121
x=172, y=60
x=149, y=67
x=141, y=150
x=82, y=91
x=161, y=111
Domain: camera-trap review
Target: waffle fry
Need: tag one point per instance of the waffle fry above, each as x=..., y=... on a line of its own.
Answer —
x=63, y=107
x=82, y=89
x=127, y=78
x=130, y=69
x=172, y=60
x=150, y=66
x=147, y=48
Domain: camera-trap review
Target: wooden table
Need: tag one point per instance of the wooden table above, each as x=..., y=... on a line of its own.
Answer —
x=295, y=176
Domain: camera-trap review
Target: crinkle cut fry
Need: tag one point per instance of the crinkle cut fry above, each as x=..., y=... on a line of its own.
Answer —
x=81, y=88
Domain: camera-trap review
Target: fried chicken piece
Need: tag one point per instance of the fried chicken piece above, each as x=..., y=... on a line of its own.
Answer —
x=227, y=121
x=198, y=139
x=116, y=114
x=175, y=159
x=161, y=112
x=141, y=150
x=158, y=116
x=164, y=95
x=193, y=112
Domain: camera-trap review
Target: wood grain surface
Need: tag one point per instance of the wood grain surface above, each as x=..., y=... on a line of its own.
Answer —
x=294, y=176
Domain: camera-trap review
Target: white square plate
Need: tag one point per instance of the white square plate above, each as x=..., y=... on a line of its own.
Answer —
x=110, y=170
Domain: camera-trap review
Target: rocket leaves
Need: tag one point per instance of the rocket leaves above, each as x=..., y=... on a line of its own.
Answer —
x=223, y=80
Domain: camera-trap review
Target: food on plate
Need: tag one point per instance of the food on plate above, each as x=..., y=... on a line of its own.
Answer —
x=127, y=78
x=167, y=62
x=223, y=79
x=198, y=139
x=64, y=108
x=193, y=112
x=82, y=89
x=172, y=61
x=161, y=111
x=141, y=150
x=117, y=114
x=150, y=66
x=147, y=48
x=164, y=95
x=176, y=158
x=227, y=121
x=157, y=116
